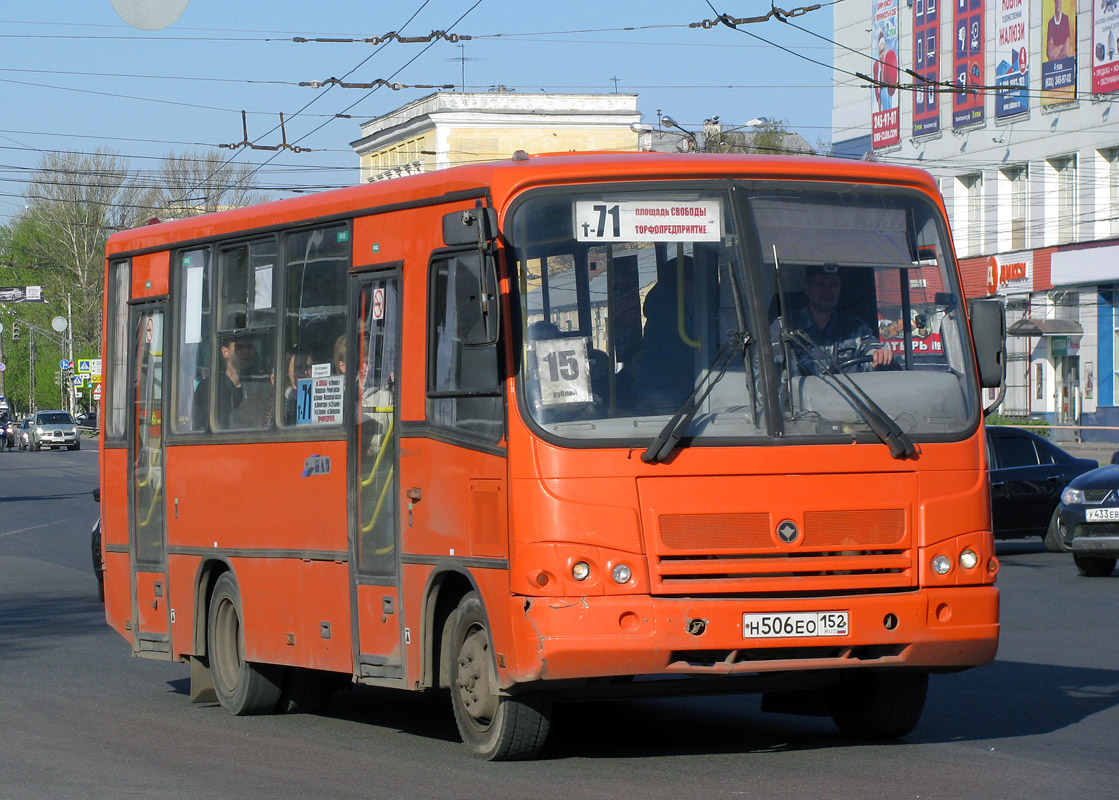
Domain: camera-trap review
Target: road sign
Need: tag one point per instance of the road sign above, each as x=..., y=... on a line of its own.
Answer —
x=64, y=364
x=83, y=365
x=78, y=380
x=97, y=392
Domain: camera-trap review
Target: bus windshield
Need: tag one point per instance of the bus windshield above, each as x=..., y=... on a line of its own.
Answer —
x=749, y=310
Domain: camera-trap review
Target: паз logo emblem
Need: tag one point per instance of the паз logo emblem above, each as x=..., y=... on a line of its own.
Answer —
x=316, y=465
x=787, y=531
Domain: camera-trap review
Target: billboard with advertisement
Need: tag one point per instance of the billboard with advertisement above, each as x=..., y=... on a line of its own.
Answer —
x=1010, y=273
x=1058, y=53
x=926, y=63
x=1105, y=51
x=1012, y=75
x=885, y=120
x=968, y=61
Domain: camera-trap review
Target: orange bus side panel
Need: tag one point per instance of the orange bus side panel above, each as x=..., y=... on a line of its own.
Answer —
x=254, y=496
x=379, y=631
x=296, y=612
x=182, y=571
x=150, y=274
x=114, y=497
x=151, y=602
x=440, y=521
x=118, y=593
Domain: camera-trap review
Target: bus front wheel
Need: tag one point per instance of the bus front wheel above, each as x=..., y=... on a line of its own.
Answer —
x=242, y=687
x=879, y=705
x=495, y=726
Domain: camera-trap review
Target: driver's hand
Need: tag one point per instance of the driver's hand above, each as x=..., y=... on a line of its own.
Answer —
x=883, y=357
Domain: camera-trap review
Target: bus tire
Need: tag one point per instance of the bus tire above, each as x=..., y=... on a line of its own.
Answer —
x=879, y=705
x=494, y=726
x=1094, y=566
x=1054, y=542
x=243, y=688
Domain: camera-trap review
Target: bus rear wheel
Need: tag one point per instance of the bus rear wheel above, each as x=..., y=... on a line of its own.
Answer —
x=879, y=705
x=495, y=726
x=242, y=687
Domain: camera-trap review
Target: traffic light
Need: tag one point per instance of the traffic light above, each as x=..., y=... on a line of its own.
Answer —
x=15, y=330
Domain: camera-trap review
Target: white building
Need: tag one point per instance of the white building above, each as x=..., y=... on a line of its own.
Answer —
x=1030, y=176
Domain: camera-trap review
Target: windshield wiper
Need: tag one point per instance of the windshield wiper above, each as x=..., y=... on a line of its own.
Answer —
x=669, y=437
x=891, y=434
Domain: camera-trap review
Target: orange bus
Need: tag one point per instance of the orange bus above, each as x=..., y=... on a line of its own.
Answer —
x=564, y=426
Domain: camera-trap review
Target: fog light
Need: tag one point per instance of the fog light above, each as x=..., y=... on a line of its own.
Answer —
x=581, y=571
x=968, y=559
x=622, y=574
x=941, y=565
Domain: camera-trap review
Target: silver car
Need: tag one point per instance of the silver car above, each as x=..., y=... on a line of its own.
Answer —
x=53, y=429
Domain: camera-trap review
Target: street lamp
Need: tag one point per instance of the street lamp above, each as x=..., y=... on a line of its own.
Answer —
x=669, y=122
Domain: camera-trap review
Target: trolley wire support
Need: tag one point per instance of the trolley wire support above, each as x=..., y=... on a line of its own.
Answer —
x=253, y=146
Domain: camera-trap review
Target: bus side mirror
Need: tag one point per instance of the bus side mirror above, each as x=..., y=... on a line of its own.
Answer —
x=988, y=331
x=475, y=281
x=472, y=226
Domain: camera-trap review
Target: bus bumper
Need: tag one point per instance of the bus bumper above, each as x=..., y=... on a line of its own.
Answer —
x=605, y=636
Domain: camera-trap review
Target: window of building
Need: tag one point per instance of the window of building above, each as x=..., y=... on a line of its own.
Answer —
x=1065, y=171
x=973, y=190
x=1018, y=180
x=1108, y=203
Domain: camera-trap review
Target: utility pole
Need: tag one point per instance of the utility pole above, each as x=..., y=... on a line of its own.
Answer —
x=70, y=356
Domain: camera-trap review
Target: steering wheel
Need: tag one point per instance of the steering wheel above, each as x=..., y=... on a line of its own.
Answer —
x=854, y=362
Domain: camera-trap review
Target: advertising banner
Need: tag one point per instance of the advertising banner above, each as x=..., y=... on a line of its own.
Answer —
x=1105, y=52
x=1012, y=76
x=1058, y=56
x=968, y=63
x=926, y=63
x=885, y=120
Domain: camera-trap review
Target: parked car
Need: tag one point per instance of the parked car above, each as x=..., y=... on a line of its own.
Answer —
x=1028, y=474
x=87, y=419
x=54, y=429
x=1088, y=520
x=23, y=433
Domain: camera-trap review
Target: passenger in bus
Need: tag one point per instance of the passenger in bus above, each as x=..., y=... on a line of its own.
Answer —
x=665, y=368
x=238, y=354
x=843, y=336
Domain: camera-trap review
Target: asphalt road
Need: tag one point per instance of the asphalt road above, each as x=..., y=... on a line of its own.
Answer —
x=83, y=719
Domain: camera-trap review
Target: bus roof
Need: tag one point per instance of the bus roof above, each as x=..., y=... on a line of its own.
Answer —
x=500, y=180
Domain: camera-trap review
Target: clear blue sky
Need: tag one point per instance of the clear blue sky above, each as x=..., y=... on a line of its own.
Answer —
x=74, y=76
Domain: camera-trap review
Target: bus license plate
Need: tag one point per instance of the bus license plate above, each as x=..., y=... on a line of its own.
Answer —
x=781, y=626
x=1101, y=514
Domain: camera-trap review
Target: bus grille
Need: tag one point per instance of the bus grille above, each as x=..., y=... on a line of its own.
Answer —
x=741, y=553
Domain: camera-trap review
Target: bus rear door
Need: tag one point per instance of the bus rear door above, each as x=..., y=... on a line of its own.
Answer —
x=146, y=526
x=374, y=458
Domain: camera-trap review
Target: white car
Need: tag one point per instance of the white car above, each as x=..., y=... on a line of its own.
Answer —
x=54, y=429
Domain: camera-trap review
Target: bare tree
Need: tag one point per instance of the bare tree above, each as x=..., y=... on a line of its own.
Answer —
x=200, y=183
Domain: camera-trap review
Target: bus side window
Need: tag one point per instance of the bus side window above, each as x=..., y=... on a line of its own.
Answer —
x=195, y=335
x=309, y=384
x=464, y=390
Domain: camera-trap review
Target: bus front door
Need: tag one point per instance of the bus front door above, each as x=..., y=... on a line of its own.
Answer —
x=379, y=635
x=146, y=522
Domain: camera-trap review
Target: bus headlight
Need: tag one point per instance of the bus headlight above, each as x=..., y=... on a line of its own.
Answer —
x=621, y=574
x=580, y=571
x=968, y=559
x=941, y=565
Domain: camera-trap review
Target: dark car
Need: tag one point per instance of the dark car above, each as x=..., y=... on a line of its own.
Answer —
x=1028, y=474
x=8, y=431
x=1088, y=520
